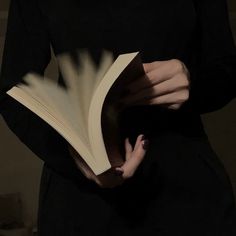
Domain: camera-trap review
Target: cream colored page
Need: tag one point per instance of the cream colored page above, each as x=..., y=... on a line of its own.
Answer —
x=69, y=134
x=95, y=129
x=36, y=90
x=76, y=80
x=87, y=73
x=57, y=101
x=82, y=81
x=105, y=63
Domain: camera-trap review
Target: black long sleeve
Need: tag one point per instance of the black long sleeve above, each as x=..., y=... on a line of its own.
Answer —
x=214, y=81
x=27, y=48
x=69, y=25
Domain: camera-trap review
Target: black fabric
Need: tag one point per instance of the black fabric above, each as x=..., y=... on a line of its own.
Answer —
x=181, y=188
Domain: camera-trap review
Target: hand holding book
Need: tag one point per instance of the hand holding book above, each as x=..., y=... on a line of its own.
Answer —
x=116, y=175
x=165, y=83
x=84, y=112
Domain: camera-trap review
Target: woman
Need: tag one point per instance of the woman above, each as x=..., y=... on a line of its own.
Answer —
x=176, y=187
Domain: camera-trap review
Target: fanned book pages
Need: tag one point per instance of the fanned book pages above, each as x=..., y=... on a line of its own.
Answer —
x=84, y=111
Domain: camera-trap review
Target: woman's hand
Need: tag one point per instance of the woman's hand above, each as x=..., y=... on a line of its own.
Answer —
x=116, y=175
x=165, y=83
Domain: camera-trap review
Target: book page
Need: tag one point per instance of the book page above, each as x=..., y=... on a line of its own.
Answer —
x=57, y=102
x=127, y=67
x=76, y=112
x=82, y=80
x=43, y=112
x=66, y=110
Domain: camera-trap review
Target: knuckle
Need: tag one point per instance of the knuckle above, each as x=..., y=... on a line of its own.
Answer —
x=154, y=101
x=128, y=175
x=149, y=78
x=177, y=65
x=183, y=80
x=187, y=82
x=184, y=95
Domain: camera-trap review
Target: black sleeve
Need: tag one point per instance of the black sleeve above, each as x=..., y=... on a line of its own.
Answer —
x=214, y=80
x=27, y=48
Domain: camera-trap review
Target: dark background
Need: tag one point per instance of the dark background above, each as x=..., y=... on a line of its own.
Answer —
x=20, y=168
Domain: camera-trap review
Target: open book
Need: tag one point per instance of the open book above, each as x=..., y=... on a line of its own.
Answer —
x=84, y=112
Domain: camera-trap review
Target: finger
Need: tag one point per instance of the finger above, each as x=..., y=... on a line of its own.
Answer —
x=175, y=65
x=128, y=149
x=156, y=73
x=148, y=79
x=138, y=84
x=139, y=139
x=165, y=70
x=178, y=82
x=151, y=66
x=142, y=95
x=177, y=97
x=132, y=164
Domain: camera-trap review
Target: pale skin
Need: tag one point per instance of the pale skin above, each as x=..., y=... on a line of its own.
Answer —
x=117, y=175
x=167, y=84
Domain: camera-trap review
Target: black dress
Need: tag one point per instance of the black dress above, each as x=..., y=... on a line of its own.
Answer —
x=181, y=188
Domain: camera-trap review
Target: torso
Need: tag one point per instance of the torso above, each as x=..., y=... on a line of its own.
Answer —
x=161, y=29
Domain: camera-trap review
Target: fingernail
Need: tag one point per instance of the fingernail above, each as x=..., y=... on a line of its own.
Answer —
x=145, y=144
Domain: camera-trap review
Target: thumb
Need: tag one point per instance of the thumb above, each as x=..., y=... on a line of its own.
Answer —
x=137, y=156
